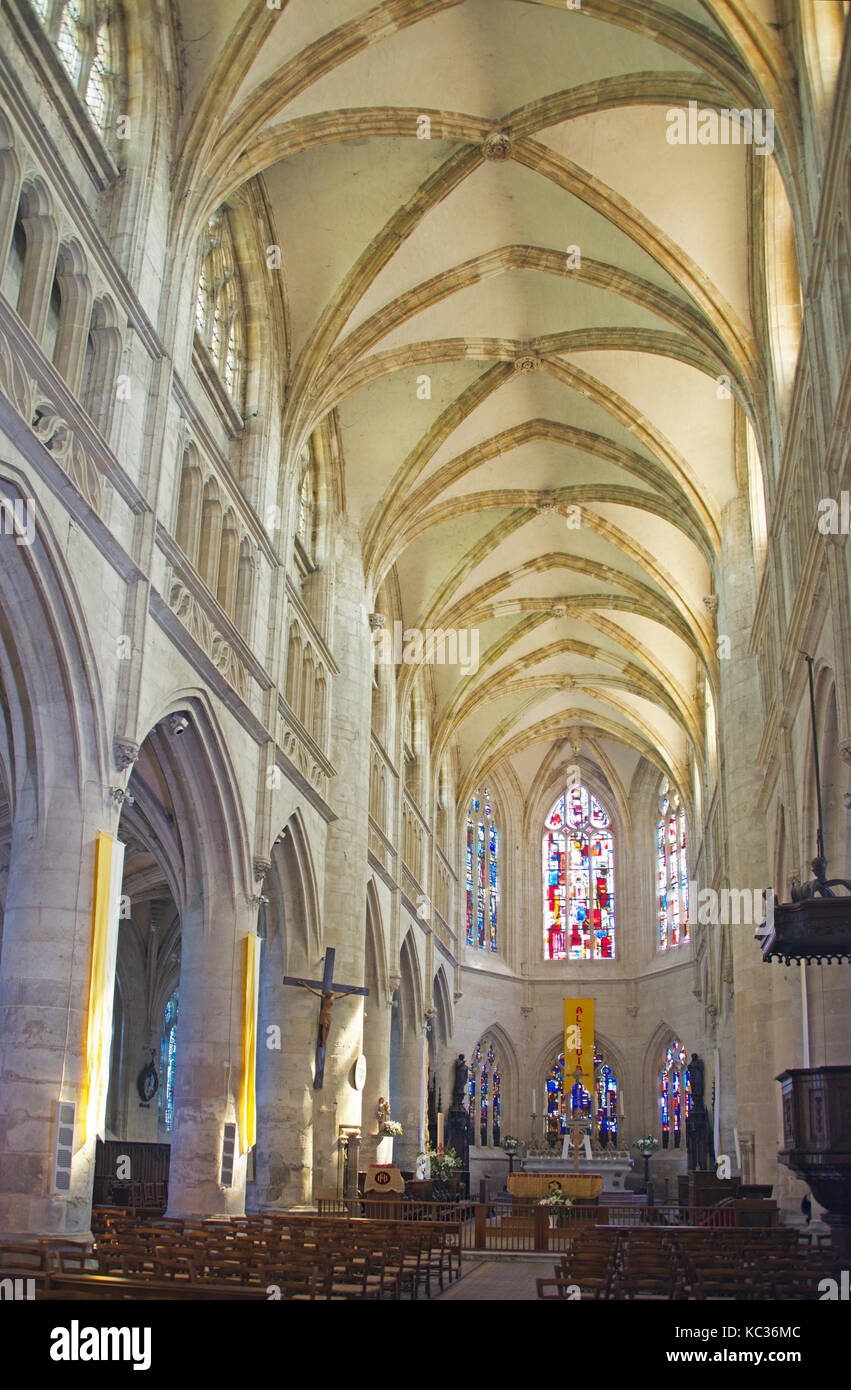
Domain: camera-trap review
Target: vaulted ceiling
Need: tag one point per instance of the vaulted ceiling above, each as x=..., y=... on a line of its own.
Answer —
x=572, y=285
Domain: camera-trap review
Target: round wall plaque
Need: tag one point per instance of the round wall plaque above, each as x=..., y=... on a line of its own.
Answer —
x=360, y=1073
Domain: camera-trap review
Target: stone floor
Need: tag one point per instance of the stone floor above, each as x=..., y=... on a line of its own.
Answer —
x=501, y=1279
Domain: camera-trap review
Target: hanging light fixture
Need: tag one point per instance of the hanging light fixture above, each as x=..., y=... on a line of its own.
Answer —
x=816, y=924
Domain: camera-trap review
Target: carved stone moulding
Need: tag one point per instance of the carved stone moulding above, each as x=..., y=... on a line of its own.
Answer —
x=497, y=147
x=125, y=752
x=261, y=868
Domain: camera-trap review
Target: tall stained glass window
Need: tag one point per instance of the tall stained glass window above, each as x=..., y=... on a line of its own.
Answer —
x=579, y=880
x=482, y=873
x=671, y=872
x=485, y=1086
x=168, y=1059
x=560, y=1109
x=674, y=1096
x=219, y=316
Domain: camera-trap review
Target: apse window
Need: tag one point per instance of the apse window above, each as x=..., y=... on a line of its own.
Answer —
x=482, y=873
x=674, y=1095
x=671, y=872
x=579, y=879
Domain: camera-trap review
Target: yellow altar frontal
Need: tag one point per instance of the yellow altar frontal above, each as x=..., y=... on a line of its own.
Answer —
x=587, y=1185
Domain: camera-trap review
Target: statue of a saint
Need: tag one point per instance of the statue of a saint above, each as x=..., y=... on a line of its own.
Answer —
x=696, y=1077
x=462, y=1071
x=382, y=1112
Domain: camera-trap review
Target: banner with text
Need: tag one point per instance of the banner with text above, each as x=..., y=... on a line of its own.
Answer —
x=579, y=1043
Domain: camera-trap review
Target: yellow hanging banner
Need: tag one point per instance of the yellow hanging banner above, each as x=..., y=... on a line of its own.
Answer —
x=248, y=1127
x=579, y=1042
x=106, y=906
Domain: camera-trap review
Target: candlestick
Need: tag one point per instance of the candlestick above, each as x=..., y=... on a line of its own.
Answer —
x=440, y=1131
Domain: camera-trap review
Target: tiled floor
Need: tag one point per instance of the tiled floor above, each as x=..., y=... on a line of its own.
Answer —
x=502, y=1279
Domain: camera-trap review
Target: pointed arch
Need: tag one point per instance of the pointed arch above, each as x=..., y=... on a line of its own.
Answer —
x=442, y=996
x=411, y=1000
x=295, y=872
x=375, y=938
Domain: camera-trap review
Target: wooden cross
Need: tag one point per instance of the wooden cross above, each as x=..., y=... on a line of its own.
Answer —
x=324, y=989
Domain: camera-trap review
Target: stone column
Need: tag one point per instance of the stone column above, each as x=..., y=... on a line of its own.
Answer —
x=285, y=1050
x=338, y=1103
x=208, y=1070
x=765, y=1004
x=412, y=1097
x=44, y=994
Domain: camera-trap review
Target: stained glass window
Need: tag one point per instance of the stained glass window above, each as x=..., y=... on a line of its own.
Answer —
x=674, y=1096
x=579, y=880
x=82, y=33
x=482, y=873
x=671, y=872
x=168, y=1058
x=485, y=1088
x=306, y=523
x=97, y=87
x=70, y=39
x=219, y=305
x=560, y=1110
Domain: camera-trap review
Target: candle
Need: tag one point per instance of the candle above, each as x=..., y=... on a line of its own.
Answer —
x=440, y=1131
x=534, y=1107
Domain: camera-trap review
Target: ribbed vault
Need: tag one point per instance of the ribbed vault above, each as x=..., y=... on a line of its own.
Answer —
x=533, y=317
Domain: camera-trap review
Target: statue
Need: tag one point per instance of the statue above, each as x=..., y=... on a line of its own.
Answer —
x=382, y=1112
x=459, y=1089
x=699, y=1145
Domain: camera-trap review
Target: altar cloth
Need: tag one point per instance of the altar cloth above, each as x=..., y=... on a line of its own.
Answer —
x=579, y=1185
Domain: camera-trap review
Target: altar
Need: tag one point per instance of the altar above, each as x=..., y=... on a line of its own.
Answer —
x=611, y=1166
x=582, y=1186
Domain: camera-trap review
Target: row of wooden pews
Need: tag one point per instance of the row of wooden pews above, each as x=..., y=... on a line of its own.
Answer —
x=690, y=1263
x=266, y=1256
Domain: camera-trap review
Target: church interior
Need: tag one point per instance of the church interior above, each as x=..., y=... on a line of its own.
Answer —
x=425, y=648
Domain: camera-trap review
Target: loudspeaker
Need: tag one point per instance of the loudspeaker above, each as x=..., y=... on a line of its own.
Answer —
x=228, y=1155
x=64, y=1112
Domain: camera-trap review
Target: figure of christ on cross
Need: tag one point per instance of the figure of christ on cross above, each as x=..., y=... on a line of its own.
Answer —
x=324, y=991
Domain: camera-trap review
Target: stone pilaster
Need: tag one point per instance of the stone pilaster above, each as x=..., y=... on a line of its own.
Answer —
x=208, y=1069
x=344, y=922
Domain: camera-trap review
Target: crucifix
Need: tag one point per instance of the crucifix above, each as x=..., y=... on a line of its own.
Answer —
x=578, y=1123
x=324, y=990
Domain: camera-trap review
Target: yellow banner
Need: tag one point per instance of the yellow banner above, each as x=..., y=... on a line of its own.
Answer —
x=579, y=1042
x=109, y=866
x=248, y=1127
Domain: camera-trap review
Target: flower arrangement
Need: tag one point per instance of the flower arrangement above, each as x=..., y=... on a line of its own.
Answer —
x=441, y=1161
x=391, y=1129
x=509, y=1143
x=555, y=1199
x=646, y=1146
